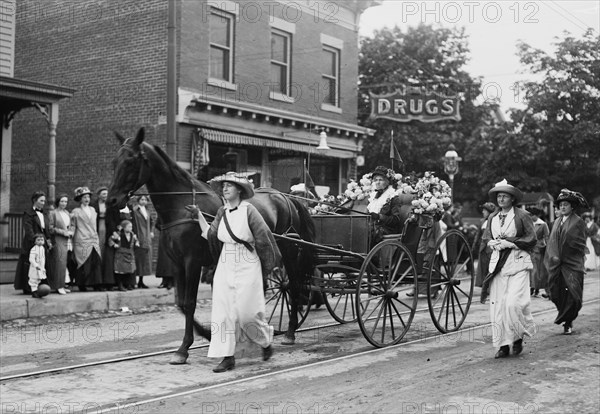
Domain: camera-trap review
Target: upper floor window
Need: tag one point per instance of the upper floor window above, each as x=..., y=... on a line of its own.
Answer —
x=331, y=75
x=221, y=45
x=281, y=62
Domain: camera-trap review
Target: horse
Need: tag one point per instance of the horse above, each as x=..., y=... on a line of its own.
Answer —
x=138, y=163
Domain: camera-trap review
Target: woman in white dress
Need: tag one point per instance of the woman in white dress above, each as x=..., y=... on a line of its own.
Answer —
x=245, y=250
x=592, y=242
x=62, y=235
x=510, y=238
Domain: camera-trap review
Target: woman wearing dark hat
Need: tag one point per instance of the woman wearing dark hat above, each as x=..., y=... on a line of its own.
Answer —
x=247, y=253
x=564, y=259
x=384, y=204
x=35, y=221
x=509, y=238
x=486, y=209
x=86, y=244
x=539, y=276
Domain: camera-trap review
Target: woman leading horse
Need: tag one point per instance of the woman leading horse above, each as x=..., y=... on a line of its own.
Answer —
x=138, y=163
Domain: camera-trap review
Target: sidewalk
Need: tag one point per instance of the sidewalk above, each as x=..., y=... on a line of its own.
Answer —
x=15, y=305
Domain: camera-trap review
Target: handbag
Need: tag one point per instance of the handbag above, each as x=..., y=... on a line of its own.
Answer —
x=234, y=237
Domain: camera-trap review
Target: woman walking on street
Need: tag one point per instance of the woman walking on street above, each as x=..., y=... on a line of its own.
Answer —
x=509, y=238
x=86, y=244
x=142, y=227
x=247, y=253
x=486, y=209
x=539, y=276
x=564, y=259
x=62, y=235
x=592, y=242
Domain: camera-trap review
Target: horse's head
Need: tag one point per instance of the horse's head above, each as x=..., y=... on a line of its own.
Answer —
x=130, y=167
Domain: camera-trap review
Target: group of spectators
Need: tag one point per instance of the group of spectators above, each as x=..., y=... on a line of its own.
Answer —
x=93, y=246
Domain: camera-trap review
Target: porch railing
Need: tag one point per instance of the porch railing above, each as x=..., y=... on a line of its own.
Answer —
x=15, y=232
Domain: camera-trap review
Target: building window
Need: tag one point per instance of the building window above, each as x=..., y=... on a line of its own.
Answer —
x=281, y=45
x=221, y=46
x=331, y=76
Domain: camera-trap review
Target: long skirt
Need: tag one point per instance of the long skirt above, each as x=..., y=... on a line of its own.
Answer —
x=567, y=295
x=102, y=234
x=238, y=304
x=90, y=272
x=592, y=260
x=143, y=261
x=510, y=311
x=60, y=257
x=539, y=275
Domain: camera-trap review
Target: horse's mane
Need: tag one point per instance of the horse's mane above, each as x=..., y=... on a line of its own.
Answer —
x=181, y=175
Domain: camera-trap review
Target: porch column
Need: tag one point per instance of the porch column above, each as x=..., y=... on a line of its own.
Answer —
x=52, y=121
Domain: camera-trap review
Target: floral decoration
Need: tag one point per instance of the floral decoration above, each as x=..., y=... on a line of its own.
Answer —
x=432, y=195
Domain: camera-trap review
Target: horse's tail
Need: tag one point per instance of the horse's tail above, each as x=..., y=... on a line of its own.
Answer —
x=306, y=231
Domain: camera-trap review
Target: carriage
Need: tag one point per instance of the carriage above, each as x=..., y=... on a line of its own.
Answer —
x=380, y=286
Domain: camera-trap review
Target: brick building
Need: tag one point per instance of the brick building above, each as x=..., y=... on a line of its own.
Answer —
x=256, y=83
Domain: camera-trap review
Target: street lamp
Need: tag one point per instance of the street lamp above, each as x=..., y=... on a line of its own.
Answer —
x=322, y=147
x=451, y=160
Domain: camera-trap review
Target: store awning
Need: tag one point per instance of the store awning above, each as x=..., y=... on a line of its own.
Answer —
x=232, y=138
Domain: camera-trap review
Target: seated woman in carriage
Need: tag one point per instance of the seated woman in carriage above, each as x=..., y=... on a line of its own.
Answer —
x=385, y=207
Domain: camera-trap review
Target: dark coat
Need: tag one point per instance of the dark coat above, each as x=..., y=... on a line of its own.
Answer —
x=32, y=226
x=524, y=240
x=564, y=259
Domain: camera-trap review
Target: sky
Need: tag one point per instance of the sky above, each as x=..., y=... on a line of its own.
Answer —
x=494, y=28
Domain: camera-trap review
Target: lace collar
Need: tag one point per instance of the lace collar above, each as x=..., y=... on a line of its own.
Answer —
x=375, y=204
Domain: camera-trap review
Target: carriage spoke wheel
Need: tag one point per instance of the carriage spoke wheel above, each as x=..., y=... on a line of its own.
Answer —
x=339, y=291
x=384, y=310
x=450, y=282
x=278, y=303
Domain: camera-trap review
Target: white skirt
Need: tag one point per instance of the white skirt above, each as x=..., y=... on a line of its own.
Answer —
x=592, y=261
x=510, y=312
x=238, y=302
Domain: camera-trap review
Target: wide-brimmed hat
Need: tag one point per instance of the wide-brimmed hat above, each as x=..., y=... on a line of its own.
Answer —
x=576, y=199
x=232, y=177
x=536, y=211
x=384, y=172
x=490, y=207
x=80, y=192
x=504, y=187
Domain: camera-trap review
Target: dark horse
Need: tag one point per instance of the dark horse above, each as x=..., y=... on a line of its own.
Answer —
x=138, y=163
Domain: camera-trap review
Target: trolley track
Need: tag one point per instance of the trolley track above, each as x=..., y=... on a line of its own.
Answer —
x=116, y=360
x=147, y=355
x=136, y=404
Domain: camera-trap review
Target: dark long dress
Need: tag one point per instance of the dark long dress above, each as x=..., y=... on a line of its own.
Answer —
x=564, y=260
x=142, y=227
x=32, y=226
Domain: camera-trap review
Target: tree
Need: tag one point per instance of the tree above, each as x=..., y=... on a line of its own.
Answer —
x=562, y=118
x=421, y=56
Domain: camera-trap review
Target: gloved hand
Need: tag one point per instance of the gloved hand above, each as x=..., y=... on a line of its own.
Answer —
x=193, y=209
x=505, y=244
x=375, y=216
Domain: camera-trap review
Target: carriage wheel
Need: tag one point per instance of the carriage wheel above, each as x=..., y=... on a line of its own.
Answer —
x=384, y=310
x=278, y=305
x=339, y=291
x=451, y=281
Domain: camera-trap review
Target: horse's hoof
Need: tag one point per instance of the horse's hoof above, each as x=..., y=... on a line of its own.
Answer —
x=178, y=359
x=288, y=341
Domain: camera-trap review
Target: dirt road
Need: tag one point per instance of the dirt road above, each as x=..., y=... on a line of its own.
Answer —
x=330, y=370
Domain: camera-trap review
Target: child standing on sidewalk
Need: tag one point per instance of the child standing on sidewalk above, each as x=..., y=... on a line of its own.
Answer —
x=124, y=241
x=37, y=265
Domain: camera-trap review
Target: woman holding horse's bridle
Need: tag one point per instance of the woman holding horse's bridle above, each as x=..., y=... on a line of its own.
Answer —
x=246, y=251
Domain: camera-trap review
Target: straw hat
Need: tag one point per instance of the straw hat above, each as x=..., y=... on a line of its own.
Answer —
x=80, y=192
x=504, y=187
x=246, y=186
